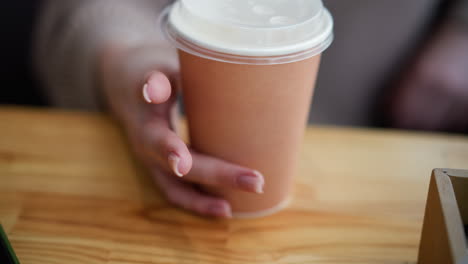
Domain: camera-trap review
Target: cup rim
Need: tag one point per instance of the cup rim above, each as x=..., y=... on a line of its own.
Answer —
x=191, y=47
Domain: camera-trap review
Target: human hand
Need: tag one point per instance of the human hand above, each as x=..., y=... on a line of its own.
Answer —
x=434, y=92
x=140, y=90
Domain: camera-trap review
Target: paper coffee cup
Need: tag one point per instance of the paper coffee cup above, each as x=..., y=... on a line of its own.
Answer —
x=248, y=70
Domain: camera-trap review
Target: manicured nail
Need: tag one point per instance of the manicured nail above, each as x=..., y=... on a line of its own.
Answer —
x=220, y=211
x=259, y=174
x=251, y=183
x=174, y=163
x=146, y=94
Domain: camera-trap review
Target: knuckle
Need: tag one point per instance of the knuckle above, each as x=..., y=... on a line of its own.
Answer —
x=176, y=197
x=173, y=196
x=168, y=141
x=224, y=175
x=213, y=175
x=196, y=205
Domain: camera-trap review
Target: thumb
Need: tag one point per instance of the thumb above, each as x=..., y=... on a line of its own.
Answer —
x=157, y=88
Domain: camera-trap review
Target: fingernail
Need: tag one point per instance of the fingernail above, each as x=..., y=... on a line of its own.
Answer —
x=259, y=175
x=174, y=163
x=146, y=94
x=220, y=211
x=251, y=183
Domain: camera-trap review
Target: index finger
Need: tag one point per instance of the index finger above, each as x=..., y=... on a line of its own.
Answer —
x=157, y=88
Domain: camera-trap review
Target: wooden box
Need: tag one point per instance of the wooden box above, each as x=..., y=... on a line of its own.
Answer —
x=444, y=235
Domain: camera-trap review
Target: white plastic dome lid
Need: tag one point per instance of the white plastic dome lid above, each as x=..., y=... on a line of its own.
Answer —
x=249, y=31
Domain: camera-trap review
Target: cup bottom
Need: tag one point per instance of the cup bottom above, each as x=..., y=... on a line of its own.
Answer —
x=252, y=215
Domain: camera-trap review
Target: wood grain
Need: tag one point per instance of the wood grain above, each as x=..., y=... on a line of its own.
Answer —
x=70, y=192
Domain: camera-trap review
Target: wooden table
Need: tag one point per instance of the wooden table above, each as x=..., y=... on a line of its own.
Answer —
x=70, y=192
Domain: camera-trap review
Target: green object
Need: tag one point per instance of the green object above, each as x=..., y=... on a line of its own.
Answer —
x=7, y=255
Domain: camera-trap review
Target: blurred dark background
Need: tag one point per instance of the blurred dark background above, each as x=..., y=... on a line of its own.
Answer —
x=19, y=86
